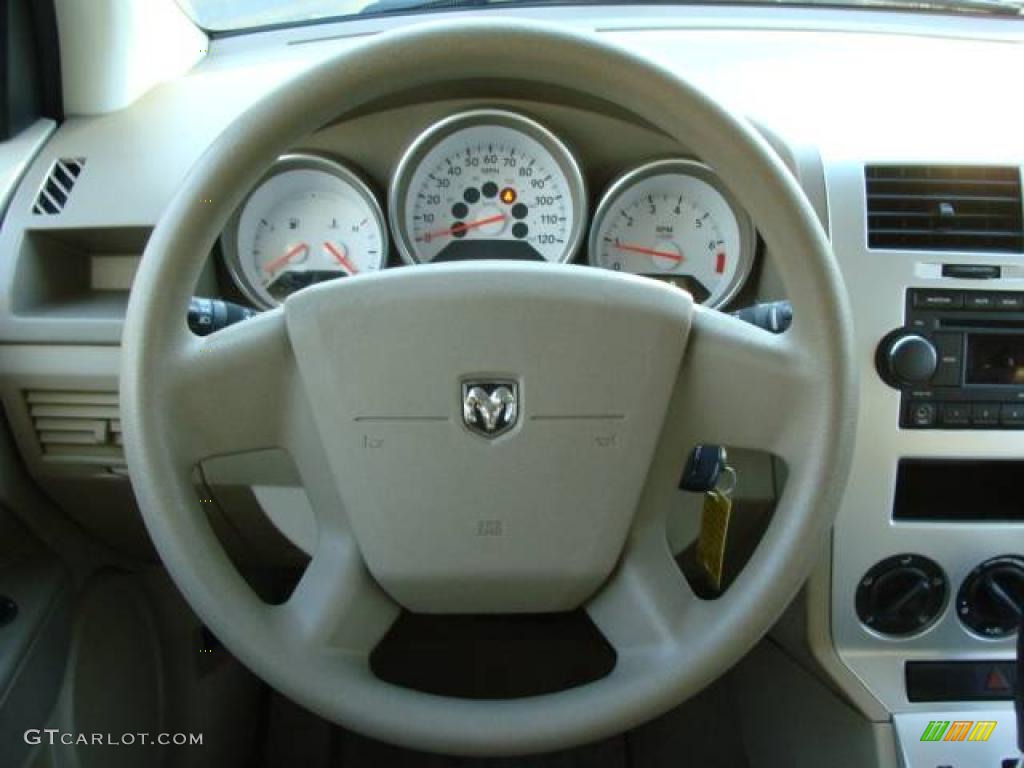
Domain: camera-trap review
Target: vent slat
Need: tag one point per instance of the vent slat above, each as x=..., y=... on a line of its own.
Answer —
x=75, y=411
x=952, y=197
x=53, y=437
x=56, y=188
x=74, y=398
x=881, y=219
x=70, y=168
x=958, y=232
x=968, y=208
x=97, y=427
x=942, y=171
x=61, y=176
x=52, y=202
x=106, y=456
x=947, y=182
x=63, y=186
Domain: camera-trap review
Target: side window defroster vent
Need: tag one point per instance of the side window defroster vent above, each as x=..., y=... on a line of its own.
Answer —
x=56, y=190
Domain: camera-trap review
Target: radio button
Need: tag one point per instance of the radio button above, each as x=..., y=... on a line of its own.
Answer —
x=956, y=414
x=985, y=414
x=921, y=415
x=925, y=299
x=1009, y=302
x=1012, y=415
x=979, y=300
x=949, y=347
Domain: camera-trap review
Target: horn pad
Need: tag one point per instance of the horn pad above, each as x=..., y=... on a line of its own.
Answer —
x=489, y=426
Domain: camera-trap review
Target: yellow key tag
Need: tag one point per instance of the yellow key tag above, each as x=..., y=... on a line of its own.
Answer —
x=714, y=525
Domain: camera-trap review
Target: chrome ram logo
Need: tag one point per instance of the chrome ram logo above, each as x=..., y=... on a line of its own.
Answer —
x=490, y=408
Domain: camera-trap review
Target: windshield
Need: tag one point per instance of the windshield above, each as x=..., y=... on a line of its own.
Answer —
x=219, y=15
x=226, y=15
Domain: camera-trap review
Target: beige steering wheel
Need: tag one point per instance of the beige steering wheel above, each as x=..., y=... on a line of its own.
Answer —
x=618, y=377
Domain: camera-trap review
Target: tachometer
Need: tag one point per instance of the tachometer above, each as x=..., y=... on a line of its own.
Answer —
x=487, y=184
x=674, y=220
x=309, y=219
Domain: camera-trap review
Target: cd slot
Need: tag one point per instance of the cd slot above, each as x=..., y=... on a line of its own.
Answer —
x=987, y=323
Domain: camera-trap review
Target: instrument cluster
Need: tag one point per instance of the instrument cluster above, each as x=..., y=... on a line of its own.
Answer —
x=486, y=184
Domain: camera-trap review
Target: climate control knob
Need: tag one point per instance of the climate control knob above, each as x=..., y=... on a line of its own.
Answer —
x=901, y=595
x=906, y=358
x=991, y=598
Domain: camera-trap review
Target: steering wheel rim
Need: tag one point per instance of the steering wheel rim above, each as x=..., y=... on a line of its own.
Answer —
x=669, y=644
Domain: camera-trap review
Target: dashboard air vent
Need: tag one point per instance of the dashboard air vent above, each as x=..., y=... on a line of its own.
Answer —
x=944, y=208
x=77, y=427
x=54, y=193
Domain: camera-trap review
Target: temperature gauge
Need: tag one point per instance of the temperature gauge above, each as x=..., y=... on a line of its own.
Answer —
x=310, y=219
x=674, y=220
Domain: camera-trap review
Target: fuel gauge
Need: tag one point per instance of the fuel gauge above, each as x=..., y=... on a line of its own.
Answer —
x=309, y=219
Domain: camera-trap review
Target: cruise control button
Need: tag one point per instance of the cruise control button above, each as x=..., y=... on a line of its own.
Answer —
x=921, y=415
x=985, y=414
x=956, y=414
x=922, y=299
x=1012, y=415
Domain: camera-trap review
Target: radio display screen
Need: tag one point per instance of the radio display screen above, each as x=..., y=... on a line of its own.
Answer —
x=995, y=358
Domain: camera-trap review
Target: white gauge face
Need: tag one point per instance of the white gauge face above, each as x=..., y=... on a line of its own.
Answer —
x=669, y=220
x=488, y=185
x=311, y=220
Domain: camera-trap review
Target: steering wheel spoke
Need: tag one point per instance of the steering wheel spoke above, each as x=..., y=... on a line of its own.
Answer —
x=740, y=386
x=337, y=604
x=643, y=606
x=232, y=388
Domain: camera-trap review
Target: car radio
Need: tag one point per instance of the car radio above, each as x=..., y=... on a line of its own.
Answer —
x=958, y=361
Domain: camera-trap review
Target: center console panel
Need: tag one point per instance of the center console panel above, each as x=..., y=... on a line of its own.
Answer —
x=928, y=545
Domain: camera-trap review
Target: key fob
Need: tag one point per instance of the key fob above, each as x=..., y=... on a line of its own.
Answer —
x=703, y=468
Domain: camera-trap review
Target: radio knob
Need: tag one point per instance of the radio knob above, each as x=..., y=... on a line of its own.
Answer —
x=907, y=359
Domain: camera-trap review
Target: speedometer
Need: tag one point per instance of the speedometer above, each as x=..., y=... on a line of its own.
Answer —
x=487, y=184
x=674, y=220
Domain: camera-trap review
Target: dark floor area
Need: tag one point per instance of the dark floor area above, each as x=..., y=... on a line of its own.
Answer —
x=701, y=733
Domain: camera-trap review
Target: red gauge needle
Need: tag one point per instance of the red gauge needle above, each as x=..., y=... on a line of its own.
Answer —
x=274, y=264
x=462, y=227
x=648, y=251
x=341, y=259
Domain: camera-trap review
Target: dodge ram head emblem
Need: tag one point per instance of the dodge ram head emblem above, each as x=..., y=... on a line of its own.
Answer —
x=490, y=408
